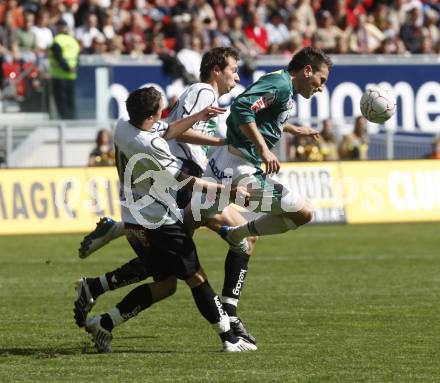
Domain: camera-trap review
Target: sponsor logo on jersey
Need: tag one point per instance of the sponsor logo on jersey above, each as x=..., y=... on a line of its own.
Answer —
x=263, y=102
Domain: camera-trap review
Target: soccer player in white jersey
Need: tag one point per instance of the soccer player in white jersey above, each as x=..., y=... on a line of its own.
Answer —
x=218, y=74
x=145, y=164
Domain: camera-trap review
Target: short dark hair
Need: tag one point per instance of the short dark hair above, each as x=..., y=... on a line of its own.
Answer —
x=216, y=56
x=143, y=103
x=309, y=56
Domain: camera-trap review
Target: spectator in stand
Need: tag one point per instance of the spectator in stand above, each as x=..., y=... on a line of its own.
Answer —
x=256, y=32
x=63, y=58
x=239, y=39
x=87, y=32
x=205, y=13
x=26, y=39
x=327, y=35
x=391, y=43
x=12, y=10
x=43, y=34
x=8, y=40
x=411, y=32
x=435, y=155
x=339, y=11
x=221, y=36
x=68, y=11
x=103, y=154
x=365, y=37
x=306, y=19
x=191, y=56
x=277, y=30
x=431, y=27
x=327, y=144
x=354, y=146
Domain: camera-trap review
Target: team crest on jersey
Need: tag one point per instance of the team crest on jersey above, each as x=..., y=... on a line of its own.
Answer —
x=263, y=102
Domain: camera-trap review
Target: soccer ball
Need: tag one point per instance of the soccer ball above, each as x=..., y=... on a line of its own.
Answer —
x=377, y=104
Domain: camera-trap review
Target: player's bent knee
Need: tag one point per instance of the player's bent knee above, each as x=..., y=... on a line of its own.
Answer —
x=305, y=215
x=251, y=243
x=196, y=280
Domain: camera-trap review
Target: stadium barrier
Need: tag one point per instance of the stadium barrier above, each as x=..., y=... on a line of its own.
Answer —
x=71, y=200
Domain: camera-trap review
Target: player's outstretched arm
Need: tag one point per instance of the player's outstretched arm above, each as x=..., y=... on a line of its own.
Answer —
x=192, y=136
x=301, y=130
x=176, y=128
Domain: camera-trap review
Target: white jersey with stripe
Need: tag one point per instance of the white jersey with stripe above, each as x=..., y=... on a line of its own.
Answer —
x=195, y=98
x=154, y=168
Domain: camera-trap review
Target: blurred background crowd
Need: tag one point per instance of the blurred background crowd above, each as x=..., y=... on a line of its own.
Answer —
x=190, y=27
x=179, y=32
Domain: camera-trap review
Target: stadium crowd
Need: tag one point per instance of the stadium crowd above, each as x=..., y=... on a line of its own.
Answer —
x=179, y=32
x=190, y=27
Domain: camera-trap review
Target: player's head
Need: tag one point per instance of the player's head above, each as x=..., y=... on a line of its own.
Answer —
x=219, y=65
x=144, y=104
x=310, y=69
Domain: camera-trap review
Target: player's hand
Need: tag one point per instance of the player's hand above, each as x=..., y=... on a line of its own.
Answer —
x=270, y=161
x=306, y=131
x=240, y=196
x=210, y=112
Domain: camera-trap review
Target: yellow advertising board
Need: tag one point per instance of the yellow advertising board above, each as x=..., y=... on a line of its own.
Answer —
x=34, y=201
x=56, y=200
x=320, y=183
x=391, y=191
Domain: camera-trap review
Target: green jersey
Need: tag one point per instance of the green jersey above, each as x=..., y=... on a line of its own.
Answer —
x=268, y=102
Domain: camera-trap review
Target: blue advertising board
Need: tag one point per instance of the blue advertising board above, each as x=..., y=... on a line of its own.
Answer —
x=416, y=87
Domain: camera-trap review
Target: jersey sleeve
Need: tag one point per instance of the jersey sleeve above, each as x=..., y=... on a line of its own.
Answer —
x=160, y=127
x=267, y=91
x=166, y=160
x=197, y=100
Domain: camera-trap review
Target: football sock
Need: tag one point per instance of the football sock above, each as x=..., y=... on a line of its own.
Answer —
x=135, y=301
x=267, y=224
x=210, y=307
x=236, y=266
x=118, y=230
x=112, y=319
x=95, y=286
x=131, y=272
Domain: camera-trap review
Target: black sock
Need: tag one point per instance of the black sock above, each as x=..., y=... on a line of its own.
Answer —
x=107, y=322
x=95, y=287
x=230, y=309
x=208, y=302
x=228, y=336
x=135, y=301
x=131, y=272
x=236, y=266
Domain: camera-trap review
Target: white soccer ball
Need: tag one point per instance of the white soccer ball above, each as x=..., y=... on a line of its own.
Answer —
x=378, y=104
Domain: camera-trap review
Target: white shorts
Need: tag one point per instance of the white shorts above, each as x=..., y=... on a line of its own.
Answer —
x=268, y=195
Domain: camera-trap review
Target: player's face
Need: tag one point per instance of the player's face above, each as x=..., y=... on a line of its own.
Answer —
x=313, y=81
x=228, y=77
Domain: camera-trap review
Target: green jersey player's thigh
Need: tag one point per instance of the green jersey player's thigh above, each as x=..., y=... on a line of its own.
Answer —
x=267, y=193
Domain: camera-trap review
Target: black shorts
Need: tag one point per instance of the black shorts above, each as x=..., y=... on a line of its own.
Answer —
x=166, y=251
x=183, y=195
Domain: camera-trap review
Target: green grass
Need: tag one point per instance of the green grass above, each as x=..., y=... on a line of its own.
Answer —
x=326, y=303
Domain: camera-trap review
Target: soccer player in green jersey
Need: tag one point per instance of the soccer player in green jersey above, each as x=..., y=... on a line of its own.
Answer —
x=257, y=119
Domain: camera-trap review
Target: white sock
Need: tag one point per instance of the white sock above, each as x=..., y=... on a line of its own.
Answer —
x=223, y=325
x=118, y=230
x=265, y=225
x=116, y=316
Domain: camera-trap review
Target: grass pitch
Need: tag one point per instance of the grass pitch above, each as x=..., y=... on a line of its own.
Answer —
x=326, y=303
